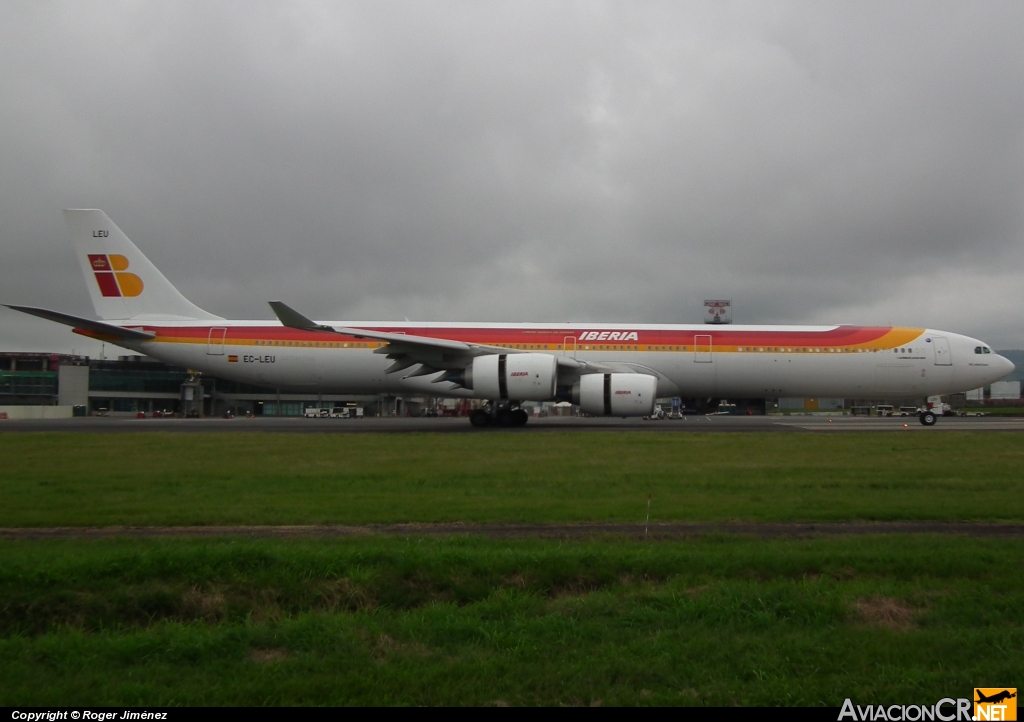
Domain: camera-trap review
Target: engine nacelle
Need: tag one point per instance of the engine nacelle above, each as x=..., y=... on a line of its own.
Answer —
x=516, y=376
x=616, y=394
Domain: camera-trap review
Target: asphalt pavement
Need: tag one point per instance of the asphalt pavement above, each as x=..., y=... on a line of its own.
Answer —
x=775, y=423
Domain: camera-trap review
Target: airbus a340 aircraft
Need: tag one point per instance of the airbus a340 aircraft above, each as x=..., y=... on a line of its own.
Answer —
x=608, y=369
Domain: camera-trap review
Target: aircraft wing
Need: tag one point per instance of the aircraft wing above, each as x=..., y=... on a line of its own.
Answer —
x=97, y=329
x=291, y=318
x=406, y=350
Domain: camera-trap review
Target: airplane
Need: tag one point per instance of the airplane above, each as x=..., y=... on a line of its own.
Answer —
x=996, y=698
x=607, y=369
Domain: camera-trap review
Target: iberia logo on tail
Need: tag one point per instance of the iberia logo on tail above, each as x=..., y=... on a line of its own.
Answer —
x=113, y=282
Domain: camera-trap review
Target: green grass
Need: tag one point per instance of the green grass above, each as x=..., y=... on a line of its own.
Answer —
x=718, y=620
x=183, y=479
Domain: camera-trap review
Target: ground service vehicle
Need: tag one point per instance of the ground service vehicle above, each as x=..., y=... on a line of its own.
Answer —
x=658, y=414
x=608, y=369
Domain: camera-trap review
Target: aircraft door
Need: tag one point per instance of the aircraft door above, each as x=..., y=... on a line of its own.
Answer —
x=702, y=349
x=215, y=342
x=940, y=345
x=569, y=346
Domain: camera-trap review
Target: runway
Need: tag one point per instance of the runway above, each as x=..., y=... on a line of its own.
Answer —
x=736, y=424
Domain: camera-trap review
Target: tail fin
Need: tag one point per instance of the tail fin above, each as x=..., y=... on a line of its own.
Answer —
x=123, y=283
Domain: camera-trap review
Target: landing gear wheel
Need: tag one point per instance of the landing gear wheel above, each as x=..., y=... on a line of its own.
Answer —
x=519, y=417
x=504, y=417
x=928, y=418
x=480, y=418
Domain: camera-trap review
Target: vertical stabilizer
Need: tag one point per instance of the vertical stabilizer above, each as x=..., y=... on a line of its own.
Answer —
x=123, y=283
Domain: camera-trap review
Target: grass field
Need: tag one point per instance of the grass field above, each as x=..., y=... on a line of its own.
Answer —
x=205, y=479
x=718, y=621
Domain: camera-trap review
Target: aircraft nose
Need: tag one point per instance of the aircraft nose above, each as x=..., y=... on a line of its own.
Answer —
x=1005, y=366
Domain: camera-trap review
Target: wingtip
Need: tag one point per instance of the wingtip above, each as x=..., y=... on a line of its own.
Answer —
x=19, y=307
x=291, y=318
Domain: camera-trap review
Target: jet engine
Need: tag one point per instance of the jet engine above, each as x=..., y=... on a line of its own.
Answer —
x=616, y=394
x=516, y=376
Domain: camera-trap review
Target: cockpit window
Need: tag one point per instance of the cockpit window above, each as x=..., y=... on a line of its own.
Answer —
x=977, y=349
x=982, y=349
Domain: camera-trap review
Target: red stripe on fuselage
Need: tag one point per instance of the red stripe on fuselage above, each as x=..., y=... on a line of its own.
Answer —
x=839, y=336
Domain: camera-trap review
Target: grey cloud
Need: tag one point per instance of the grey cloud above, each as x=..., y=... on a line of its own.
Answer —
x=514, y=161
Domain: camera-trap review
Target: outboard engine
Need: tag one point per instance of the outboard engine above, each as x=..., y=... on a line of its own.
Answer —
x=616, y=394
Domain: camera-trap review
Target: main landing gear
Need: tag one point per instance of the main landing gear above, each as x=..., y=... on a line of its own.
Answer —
x=928, y=418
x=505, y=415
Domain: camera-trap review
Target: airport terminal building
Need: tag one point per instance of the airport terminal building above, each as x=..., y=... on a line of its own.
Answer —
x=131, y=385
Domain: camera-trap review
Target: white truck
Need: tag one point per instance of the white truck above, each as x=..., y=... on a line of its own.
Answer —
x=347, y=412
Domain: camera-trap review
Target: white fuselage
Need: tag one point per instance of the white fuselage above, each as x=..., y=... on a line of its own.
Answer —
x=689, y=360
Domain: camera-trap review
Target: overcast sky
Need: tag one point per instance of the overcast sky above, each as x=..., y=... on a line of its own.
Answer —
x=547, y=161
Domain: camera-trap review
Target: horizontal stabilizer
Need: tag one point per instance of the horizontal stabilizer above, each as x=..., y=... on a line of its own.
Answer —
x=85, y=324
